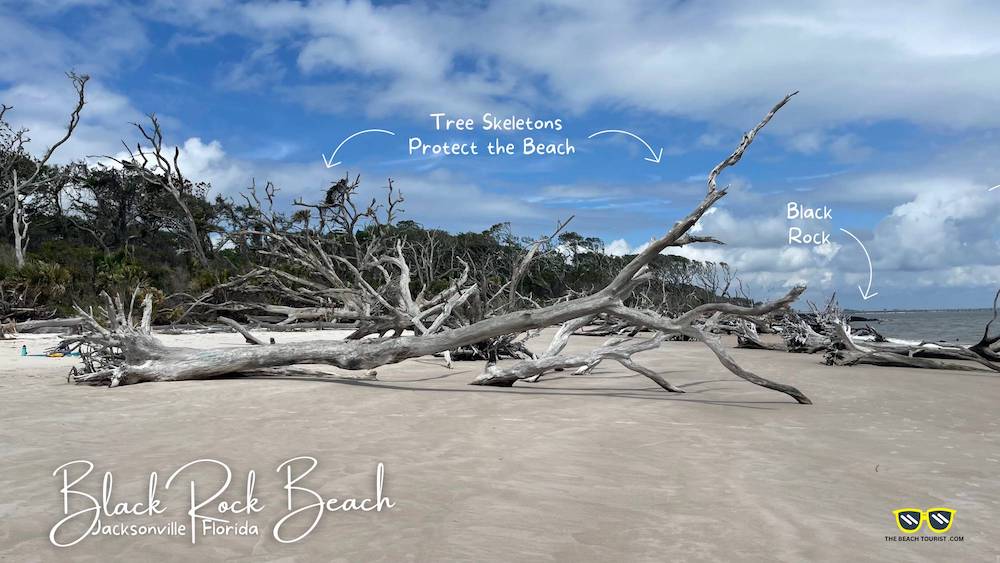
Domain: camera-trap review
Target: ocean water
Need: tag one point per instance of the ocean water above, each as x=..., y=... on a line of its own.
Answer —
x=964, y=326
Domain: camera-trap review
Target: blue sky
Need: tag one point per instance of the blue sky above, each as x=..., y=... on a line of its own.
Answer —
x=895, y=127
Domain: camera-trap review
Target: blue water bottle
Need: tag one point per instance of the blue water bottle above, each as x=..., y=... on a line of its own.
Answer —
x=24, y=350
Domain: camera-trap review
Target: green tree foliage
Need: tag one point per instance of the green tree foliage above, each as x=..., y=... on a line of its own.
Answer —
x=101, y=228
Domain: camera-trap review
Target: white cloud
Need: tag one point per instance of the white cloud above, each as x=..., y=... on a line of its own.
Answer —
x=807, y=142
x=258, y=69
x=618, y=247
x=951, y=223
x=35, y=58
x=850, y=59
x=846, y=147
x=943, y=232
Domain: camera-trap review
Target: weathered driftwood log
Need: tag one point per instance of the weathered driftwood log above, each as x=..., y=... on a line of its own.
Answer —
x=806, y=333
x=33, y=325
x=13, y=327
x=296, y=314
x=683, y=324
x=618, y=349
x=747, y=336
x=846, y=351
x=145, y=358
x=843, y=347
x=559, y=342
x=108, y=352
x=495, y=349
x=9, y=327
x=988, y=346
x=800, y=337
x=132, y=355
x=369, y=375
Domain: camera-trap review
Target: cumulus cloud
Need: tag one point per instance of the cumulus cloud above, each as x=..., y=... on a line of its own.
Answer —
x=944, y=233
x=952, y=223
x=844, y=148
x=618, y=247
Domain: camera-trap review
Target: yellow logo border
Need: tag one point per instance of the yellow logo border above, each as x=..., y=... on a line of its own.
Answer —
x=925, y=517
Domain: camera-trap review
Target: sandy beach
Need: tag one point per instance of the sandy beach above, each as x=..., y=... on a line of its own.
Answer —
x=603, y=467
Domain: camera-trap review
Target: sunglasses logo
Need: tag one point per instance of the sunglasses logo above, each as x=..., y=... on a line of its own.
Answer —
x=939, y=520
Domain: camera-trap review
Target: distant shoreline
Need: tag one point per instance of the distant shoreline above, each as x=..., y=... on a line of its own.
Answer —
x=937, y=325
x=896, y=311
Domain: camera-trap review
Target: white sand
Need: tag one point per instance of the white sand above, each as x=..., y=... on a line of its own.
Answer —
x=605, y=467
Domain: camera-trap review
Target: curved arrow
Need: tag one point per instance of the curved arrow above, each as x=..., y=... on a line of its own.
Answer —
x=865, y=293
x=329, y=162
x=656, y=155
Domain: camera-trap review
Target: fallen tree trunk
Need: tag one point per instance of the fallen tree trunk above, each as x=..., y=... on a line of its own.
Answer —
x=147, y=359
x=270, y=327
x=32, y=325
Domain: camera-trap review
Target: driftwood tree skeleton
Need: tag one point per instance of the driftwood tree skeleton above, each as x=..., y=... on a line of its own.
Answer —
x=828, y=330
x=620, y=349
x=340, y=261
x=315, y=281
x=845, y=350
x=683, y=324
x=800, y=333
x=134, y=356
x=20, y=187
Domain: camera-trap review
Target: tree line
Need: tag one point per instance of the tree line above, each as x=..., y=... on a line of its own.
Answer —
x=135, y=220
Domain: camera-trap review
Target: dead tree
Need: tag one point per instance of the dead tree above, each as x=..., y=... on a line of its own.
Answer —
x=801, y=333
x=159, y=168
x=144, y=359
x=800, y=336
x=318, y=266
x=21, y=175
x=684, y=324
x=20, y=221
x=335, y=261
